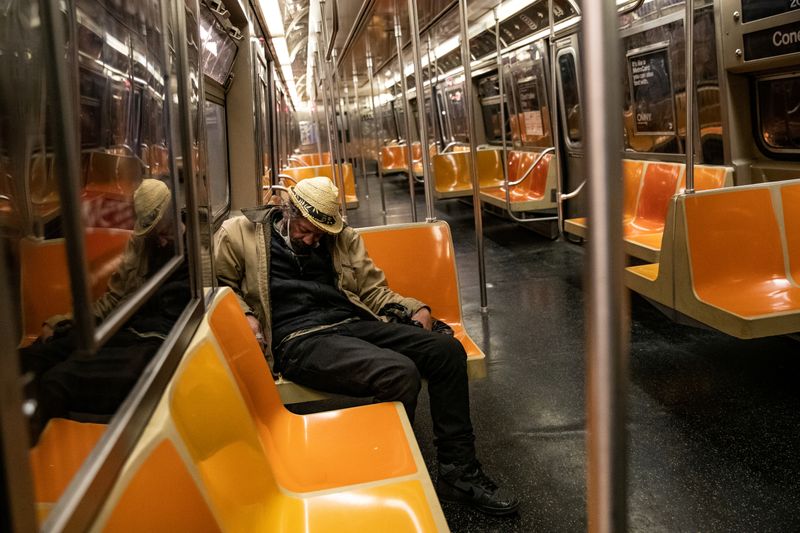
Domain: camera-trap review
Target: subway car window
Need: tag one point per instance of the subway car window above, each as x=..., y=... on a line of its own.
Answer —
x=779, y=113
x=570, y=92
x=219, y=49
x=531, y=117
x=655, y=100
x=456, y=112
x=129, y=209
x=216, y=130
x=489, y=96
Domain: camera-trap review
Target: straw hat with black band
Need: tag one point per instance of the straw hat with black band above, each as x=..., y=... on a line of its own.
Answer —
x=318, y=201
x=151, y=200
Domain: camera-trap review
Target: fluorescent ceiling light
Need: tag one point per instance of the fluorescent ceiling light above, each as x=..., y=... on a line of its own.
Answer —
x=272, y=12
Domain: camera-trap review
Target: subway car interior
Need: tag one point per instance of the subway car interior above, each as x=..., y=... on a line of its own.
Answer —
x=594, y=195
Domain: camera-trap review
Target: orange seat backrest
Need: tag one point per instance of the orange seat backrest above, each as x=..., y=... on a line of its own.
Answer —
x=447, y=170
x=790, y=196
x=45, y=285
x=514, y=164
x=162, y=496
x=315, y=158
x=706, y=178
x=536, y=182
x=62, y=448
x=631, y=182
x=490, y=173
x=302, y=173
x=394, y=157
x=659, y=184
x=419, y=261
x=734, y=237
x=113, y=173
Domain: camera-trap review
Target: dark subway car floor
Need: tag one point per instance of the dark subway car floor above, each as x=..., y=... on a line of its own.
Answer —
x=713, y=421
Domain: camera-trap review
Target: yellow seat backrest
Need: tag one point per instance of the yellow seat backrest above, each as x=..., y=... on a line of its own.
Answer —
x=221, y=439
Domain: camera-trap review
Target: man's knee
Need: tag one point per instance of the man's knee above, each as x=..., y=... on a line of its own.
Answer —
x=399, y=381
x=451, y=352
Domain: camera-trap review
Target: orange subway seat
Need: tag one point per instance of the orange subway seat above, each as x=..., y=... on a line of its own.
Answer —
x=631, y=183
x=428, y=274
x=706, y=178
x=62, y=449
x=317, y=451
x=44, y=276
x=217, y=430
x=790, y=198
x=113, y=174
x=534, y=192
x=162, y=496
x=394, y=158
x=736, y=254
x=315, y=159
x=301, y=173
x=452, y=177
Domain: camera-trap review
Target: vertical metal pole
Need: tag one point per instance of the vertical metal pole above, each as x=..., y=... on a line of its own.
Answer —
x=316, y=128
x=689, y=144
x=14, y=443
x=502, y=85
x=344, y=105
x=360, y=127
x=466, y=59
x=337, y=94
x=331, y=143
x=433, y=79
x=378, y=129
x=338, y=171
x=423, y=129
x=60, y=88
x=607, y=328
x=554, y=126
x=398, y=39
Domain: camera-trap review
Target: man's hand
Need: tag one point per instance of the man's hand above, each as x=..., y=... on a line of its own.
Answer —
x=423, y=316
x=47, y=332
x=255, y=326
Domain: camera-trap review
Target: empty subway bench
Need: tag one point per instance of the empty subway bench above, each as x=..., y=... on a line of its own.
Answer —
x=731, y=260
x=647, y=190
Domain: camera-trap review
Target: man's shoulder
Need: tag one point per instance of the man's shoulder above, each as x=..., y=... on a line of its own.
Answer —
x=250, y=216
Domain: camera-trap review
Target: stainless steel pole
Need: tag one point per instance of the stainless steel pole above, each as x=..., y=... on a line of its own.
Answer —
x=607, y=326
x=554, y=126
x=338, y=170
x=60, y=88
x=377, y=117
x=398, y=38
x=689, y=145
x=360, y=127
x=347, y=121
x=466, y=59
x=338, y=104
x=423, y=129
x=316, y=127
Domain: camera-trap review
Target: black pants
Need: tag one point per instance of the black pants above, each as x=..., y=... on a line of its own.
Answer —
x=388, y=361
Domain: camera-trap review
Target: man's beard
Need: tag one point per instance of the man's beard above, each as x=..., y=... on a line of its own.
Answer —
x=301, y=248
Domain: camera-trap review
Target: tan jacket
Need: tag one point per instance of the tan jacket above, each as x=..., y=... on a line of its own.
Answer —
x=130, y=274
x=241, y=259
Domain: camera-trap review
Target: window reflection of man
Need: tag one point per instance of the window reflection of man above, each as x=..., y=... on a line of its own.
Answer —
x=66, y=383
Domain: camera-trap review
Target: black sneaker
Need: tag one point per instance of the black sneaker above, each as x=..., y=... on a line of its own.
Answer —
x=469, y=484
